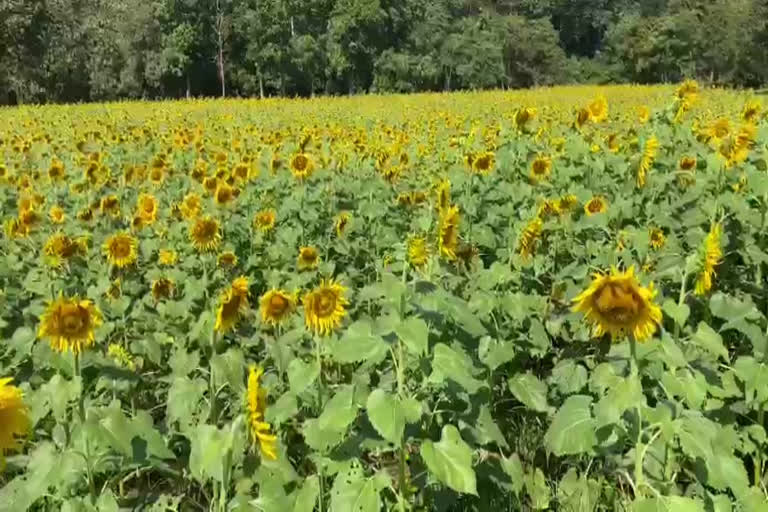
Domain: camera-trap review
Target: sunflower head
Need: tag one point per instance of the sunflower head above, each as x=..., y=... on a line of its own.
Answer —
x=548, y=208
x=443, y=192
x=231, y=306
x=418, y=251
x=567, y=202
x=618, y=305
x=227, y=259
x=121, y=356
x=121, y=249
x=643, y=114
x=85, y=215
x=541, y=167
x=448, y=236
x=308, y=258
x=687, y=163
x=529, y=238
x=210, y=184
x=583, y=116
x=146, y=208
x=205, y=233
x=15, y=422
x=404, y=199
x=260, y=430
x=167, y=257
x=598, y=109
x=190, y=206
x=483, y=163
x=302, y=166
x=162, y=289
x=710, y=256
x=68, y=323
x=275, y=306
x=224, y=194
x=595, y=205
x=110, y=205
x=657, y=238
x=264, y=220
x=325, y=307
x=341, y=223
x=59, y=248
x=752, y=110
x=56, y=170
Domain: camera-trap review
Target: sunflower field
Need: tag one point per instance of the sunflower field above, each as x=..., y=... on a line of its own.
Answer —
x=521, y=300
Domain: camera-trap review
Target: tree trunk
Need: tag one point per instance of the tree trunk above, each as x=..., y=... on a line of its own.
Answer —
x=189, y=87
x=261, y=86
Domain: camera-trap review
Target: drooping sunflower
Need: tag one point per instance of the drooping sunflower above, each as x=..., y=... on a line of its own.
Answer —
x=529, y=238
x=120, y=249
x=275, y=306
x=69, y=323
x=110, y=205
x=541, y=167
x=231, y=306
x=711, y=255
x=162, y=288
x=224, y=194
x=167, y=257
x=265, y=220
x=752, y=110
x=59, y=248
x=227, y=259
x=57, y=214
x=657, y=238
x=341, y=223
x=448, y=235
x=567, y=202
x=325, y=307
x=260, y=431
x=146, y=208
x=418, y=251
x=618, y=305
x=650, y=150
x=484, y=163
x=595, y=205
x=308, y=258
x=14, y=419
x=443, y=192
x=302, y=166
x=205, y=234
x=121, y=356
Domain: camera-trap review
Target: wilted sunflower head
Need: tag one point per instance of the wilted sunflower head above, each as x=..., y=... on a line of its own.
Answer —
x=448, y=237
x=302, y=166
x=231, y=306
x=618, y=305
x=120, y=249
x=162, y=289
x=657, y=238
x=205, y=234
x=110, y=205
x=308, y=258
x=342, y=221
x=324, y=307
x=276, y=305
x=15, y=422
x=57, y=214
x=265, y=220
x=69, y=323
x=595, y=205
x=418, y=251
x=227, y=259
x=541, y=167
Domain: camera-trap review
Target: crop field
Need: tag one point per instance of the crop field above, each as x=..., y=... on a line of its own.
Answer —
x=511, y=300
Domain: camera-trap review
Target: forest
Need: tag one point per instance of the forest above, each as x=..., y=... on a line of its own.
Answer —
x=63, y=51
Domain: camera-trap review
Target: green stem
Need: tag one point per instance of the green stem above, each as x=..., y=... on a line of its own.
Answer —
x=223, y=494
x=86, y=445
x=680, y=301
x=639, y=452
x=760, y=460
x=213, y=410
x=318, y=356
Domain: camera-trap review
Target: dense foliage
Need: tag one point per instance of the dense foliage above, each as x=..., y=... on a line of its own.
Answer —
x=469, y=301
x=78, y=50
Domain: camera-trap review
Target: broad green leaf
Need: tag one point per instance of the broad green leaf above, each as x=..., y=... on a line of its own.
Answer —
x=537, y=489
x=206, y=457
x=530, y=391
x=730, y=308
x=183, y=363
x=184, y=397
x=668, y=504
x=576, y=493
x=386, y=415
x=447, y=363
x=486, y=430
x=414, y=333
x=412, y=409
x=320, y=439
x=711, y=341
x=678, y=312
x=569, y=377
x=754, y=375
x=514, y=469
x=573, y=428
x=306, y=496
x=494, y=353
x=626, y=394
x=340, y=411
x=284, y=408
x=301, y=375
x=538, y=338
x=352, y=491
x=358, y=343
x=450, y=461
x=229, y=368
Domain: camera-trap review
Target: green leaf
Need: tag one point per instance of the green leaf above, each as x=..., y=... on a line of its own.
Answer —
x=755, y=377
x=530, y=391
x=340, y=411
x=358, y=343
x=450, y=461
x=573, y=428
x=386, y=415
x=730, y=308
x=538, y=490
x=412, y=409
x=306, y=496
x=494, y=353
x=578, y=492
x=569, y=376
x=301, y=375
x=414, y=333
x=184, y=396
x=353, y=492
x=538, y=338
x=667, y=504
x=626, y=394
x=206, y=457
x=678, y=312
x=229, y=368
x=514, y=469
x=711, y=341
x=183, y=363
x=284, y=408
x=486, y=430
x=320, y=439
x=448, y=363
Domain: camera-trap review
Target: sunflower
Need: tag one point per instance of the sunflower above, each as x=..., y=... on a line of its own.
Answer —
x=687, y=163
x=324, y=307
x=69, y=324
x=448, y=238
x=14, y=419
x=657, y=238
x=618, y=305
x=14, y=229
x=121, y=356
x=167, y=257
x=60, y=248
x=157, y=175
x=57, y=214
x=341, y=223
x=257, y=402
x=115, y=289
x=418, y=251
x=548, y=208
x=162, y=289
x=210, y=184
x=598, y=109
x=643, y=114
x=205, y=234
x=711, y=255
x=308, y=258
x=404, y=199
x=146, y=208
x=752, y=111
x=241, y=171
x=85, y=215
x=529, y=238
x=224, y=194
x=583, y=116
x=688, y=89
x=56, y=170
x=483, y=163
x=231, y=306
x=418, y=197
x=595, y=205
x=191, y=206
x=110, y=205
x=302, y=166
x=275, y=306
x=265, y=220
x=541, y=167
x=650, y=149
x=227, y=259
x=443, y=192
x=567, y=203
x=120, y=249
x=524, y=116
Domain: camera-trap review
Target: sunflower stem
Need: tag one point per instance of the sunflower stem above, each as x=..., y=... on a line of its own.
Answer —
x=319, y=359
x=86, y=445
x=760, y=460
x=680, y=301
x=212, y=412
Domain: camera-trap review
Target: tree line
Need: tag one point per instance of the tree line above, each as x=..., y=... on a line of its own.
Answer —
x=89, y=50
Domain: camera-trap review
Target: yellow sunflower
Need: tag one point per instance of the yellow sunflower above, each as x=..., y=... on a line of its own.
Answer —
x=146, y=208
x=227, y=259
x=448, y=237
x=167, y=257
x=265, y=220
x=69, y=323
x=541, y=167
x=324, y=307
x=418, y=251
x=752, y=110
x=302, y=166
x=687, y=163
x=548, y=208
x=657, y=238
x=57, y=214
x=14, y=419
x=483, y=163
x=56, y=171
x=121, y=356
x=341, y=223
x=598, y=109
x=205, y=234
x=529, y=238
x=110, y=205
x=711, y=255
x=308, y=258
x=60, y=248
x=276, y=305
x=567, y=203
x=162, y=289
x=231, y=306
x=443, y=192
x=85, y=215
x=259, y=430
x=210, y=184
x=224, y=194
x=618, y=305
x=120, y=249
x=643, y=114
x=595, y=205
x=650, y=150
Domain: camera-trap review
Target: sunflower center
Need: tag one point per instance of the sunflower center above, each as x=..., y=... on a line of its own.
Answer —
x=308, y=256
x=121, y=248
x=300, y=162
x=326, y=303
x=277, y=305
x=618, y=302
x=206, y=230
x=594, y=206
x=72, y=321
